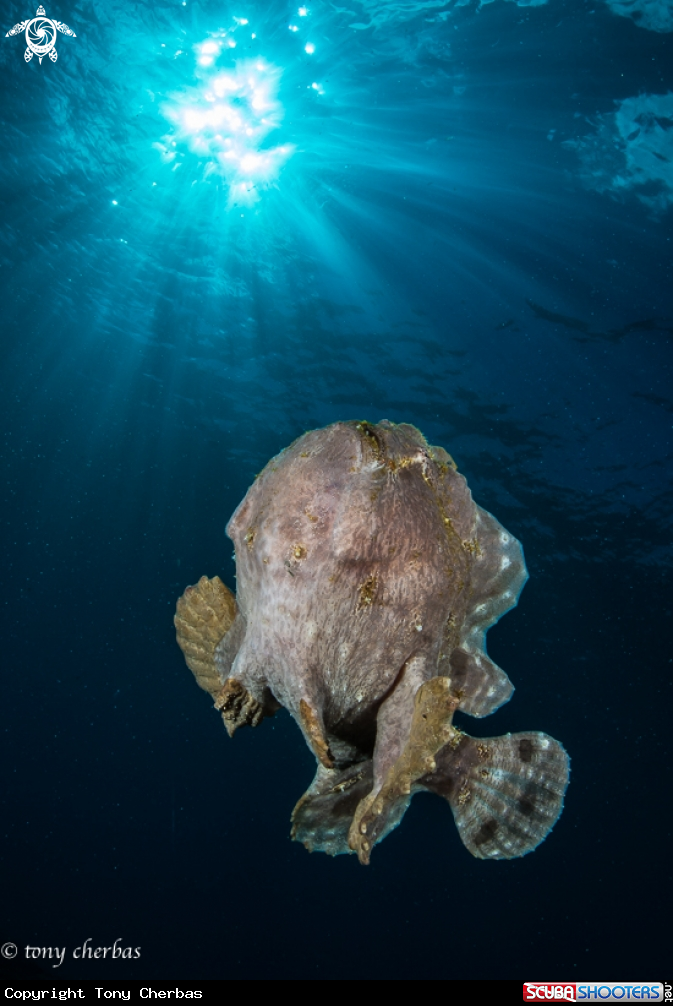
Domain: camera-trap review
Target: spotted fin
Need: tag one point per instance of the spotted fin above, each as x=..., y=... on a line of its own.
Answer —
x=506, y=793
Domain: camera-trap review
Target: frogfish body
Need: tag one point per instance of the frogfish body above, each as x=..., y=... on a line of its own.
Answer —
x=367, y=579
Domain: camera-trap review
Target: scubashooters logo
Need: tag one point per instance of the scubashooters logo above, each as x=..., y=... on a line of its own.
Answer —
x=593, y=992
x=40, y=35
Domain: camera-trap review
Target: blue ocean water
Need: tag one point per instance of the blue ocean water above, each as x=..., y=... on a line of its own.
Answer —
x=223, y=225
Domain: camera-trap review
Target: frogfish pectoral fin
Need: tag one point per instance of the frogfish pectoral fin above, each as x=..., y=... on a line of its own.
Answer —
x=506, y=793
x=431, y=729
x=204, y=614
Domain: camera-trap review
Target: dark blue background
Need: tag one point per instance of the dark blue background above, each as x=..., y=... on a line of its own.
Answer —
x=428, y=255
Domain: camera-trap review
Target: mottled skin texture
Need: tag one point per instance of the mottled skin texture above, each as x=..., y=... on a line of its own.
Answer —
x=366, y=580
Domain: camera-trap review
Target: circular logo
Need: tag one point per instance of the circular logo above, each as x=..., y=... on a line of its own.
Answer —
x=41, y=35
